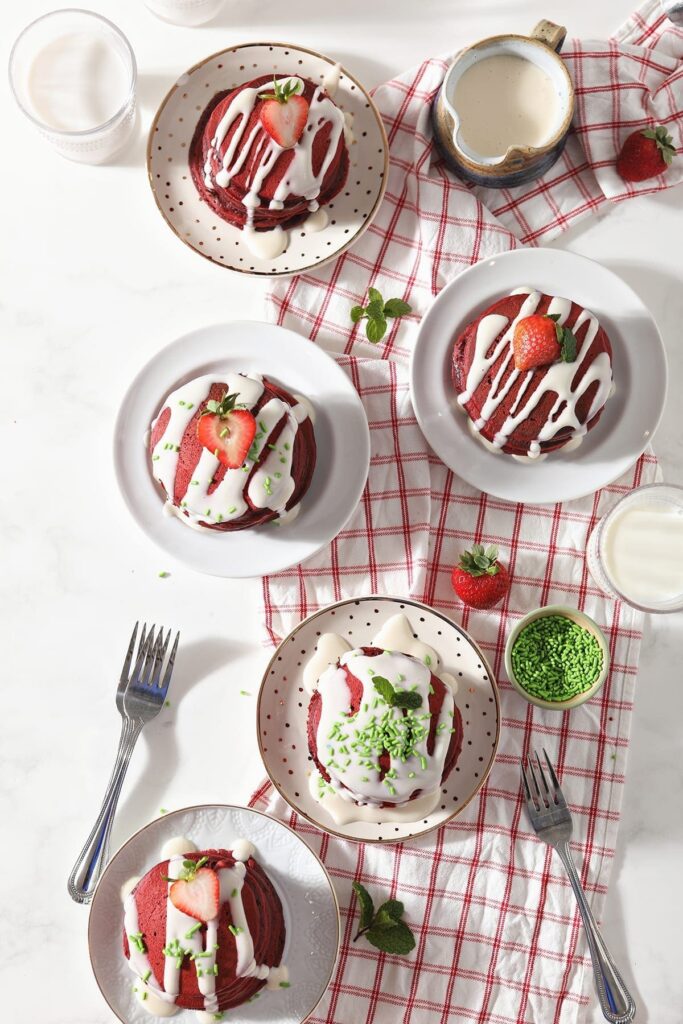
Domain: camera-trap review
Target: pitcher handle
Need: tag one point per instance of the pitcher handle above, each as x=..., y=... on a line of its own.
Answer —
x=549, y=33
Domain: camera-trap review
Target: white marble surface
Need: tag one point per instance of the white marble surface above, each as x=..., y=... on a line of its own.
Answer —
x=92, y=284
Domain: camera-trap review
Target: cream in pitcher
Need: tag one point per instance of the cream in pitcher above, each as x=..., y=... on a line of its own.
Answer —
x=504, y=101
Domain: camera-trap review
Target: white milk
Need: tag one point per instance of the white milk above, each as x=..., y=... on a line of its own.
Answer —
x=505, y=101
x=77, y=82
x=642, y=551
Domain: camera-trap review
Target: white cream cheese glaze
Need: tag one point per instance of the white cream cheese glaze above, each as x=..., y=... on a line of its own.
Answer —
x=558, y=378
x=328, y=650
x=260, y=151
x=181, y=932
x=270, y=486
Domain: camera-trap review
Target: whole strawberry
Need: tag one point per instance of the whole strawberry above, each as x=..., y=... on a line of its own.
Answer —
x=539, y=340
x=480, y=580
x=645, y=154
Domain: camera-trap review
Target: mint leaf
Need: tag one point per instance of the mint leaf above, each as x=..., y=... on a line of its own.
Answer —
x=376, y=329
x=406, y=699
x=389, y=913
x=375, y=296
x=357, y=313
x=553, y=316
x=375, y=309
x=367, y=908
x=384, y=688
x=396, y=308
x=397, y=939
x=568, y=345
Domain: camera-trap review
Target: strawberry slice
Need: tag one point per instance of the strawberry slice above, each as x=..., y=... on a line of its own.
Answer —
x=283, y=113
x=197, y=895
x=226, y=431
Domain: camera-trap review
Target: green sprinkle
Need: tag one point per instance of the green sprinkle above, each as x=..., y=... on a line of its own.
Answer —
x=285, y=984
x=555, y=659
x=144, y=996
x=224, y=432
x=267, y=485
x=167, y=703
x=278, y=476
x=262, y=426
x=155, y=458
x=235, y=929
x=272, y=447
x=233, y=894
x=147, y=975
x=286, y=446
x=163, y=574
x=191, y=931
x=245, y=693
x=232, y=510
x=163, y=810
x=181, y=402
x=138, y=941
x=283, y=460
x=195, y=483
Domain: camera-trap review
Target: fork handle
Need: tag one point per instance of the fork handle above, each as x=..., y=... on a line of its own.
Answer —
x=616, y=1001
x=95, y=854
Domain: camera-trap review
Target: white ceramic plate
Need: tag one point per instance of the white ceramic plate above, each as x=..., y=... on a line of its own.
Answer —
x=283, y=711
x=631, y=415
x=341, y=433
x=302, y=883
x=198, y=226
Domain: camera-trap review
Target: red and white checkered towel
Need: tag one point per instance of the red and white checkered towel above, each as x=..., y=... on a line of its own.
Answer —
x=498, y=935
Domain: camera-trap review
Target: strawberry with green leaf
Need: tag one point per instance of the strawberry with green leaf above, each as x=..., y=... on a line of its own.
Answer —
x=480, y=580
x=539, y=340
x=284, y=113
x=646, y=154
x=226, y=430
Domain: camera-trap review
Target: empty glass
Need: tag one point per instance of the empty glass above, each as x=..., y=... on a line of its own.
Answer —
x=73, y=74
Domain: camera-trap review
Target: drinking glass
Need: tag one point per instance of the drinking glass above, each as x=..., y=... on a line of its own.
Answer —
x=185, y=12
x=73, y=74
x=645, y=529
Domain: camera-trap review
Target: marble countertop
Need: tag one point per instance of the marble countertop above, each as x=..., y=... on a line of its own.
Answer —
x=93, y=283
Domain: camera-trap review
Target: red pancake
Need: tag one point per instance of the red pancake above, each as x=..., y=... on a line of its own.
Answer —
x=525, y=434
x=303, y=458
x=265, y=919
x=436, y=699
x=227, y=201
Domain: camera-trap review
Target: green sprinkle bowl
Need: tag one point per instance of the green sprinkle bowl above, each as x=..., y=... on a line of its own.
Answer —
x=580, y=619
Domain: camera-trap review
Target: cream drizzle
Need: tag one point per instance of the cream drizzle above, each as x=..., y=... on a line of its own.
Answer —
x=299, y=178
x=270, y=486
x=558, y=377
x=354, y=779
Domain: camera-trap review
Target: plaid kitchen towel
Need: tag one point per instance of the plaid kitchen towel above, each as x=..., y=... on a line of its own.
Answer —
x=498, y=934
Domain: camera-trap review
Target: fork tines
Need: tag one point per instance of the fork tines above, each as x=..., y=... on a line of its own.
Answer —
x=539, y=793
x=149, y=662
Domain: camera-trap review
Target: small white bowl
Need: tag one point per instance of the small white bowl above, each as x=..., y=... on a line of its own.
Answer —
x=581, y=619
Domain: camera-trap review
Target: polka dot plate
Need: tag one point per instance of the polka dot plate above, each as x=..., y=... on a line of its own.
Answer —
x=195, y=223
x=283, y=709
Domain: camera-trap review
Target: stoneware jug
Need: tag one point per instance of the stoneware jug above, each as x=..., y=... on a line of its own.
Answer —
x=520, y=162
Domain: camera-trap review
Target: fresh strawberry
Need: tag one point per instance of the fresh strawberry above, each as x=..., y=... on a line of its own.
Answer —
x=539, y=340
x=480, y=580
x=226, y=431
x=197, y=891
x=283, y=113
x=645, y=154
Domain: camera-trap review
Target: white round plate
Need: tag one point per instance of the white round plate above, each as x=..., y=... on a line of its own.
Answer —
x=283, y=710
x=195, y=223
x=302, y=883
x=341, y=433
x=631, y=415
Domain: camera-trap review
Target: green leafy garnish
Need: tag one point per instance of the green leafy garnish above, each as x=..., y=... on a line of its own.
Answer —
x=222, y=408
x=283, y=90
x=565, y=339
x=664, y=142
x=480, y=561
x=377, y=312
x=385, y=930
x=396, y=698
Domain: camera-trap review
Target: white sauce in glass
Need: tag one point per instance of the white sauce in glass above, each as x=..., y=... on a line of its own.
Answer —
x=642, y=550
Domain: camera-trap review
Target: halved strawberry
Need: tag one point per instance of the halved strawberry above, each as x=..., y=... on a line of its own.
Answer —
x=283, y=113
x=197, y=895
x=540, y=340
x=226, y=431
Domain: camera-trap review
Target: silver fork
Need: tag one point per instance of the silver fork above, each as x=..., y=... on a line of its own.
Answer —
x=552, y=822
x=140, y=697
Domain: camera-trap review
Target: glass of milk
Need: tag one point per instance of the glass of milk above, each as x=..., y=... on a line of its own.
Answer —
x=73, y=74
x=635, y=553
x=185, y=12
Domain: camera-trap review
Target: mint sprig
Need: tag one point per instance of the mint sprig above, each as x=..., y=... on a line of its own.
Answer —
x=565, y=339
x=222, y=408
x=385, y=929
x=377, y=312
x=283, y=90
x=396, y=698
